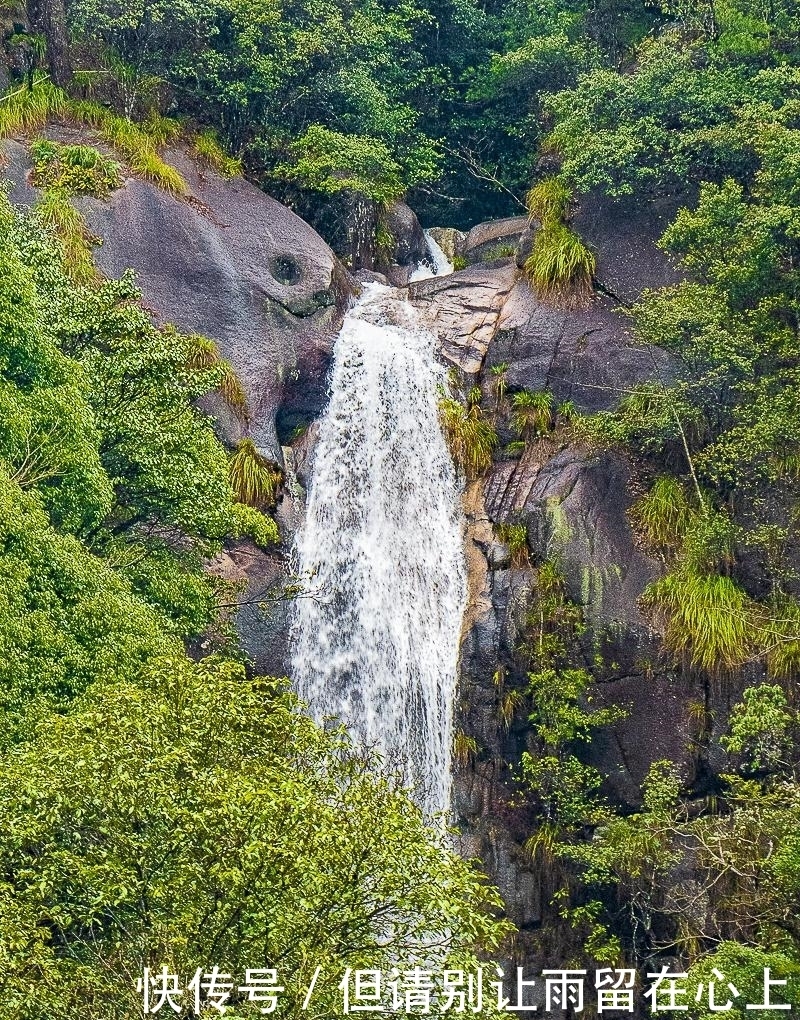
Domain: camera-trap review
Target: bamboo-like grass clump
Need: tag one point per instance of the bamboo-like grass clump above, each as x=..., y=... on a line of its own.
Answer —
x=25, y=109
x=60, y=217
x=708, y=620
x=252, y=477
x=560, y=267
x=470, y=437
x=203, y=355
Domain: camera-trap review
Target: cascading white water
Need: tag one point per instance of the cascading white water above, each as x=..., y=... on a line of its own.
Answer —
x=440, y=264
x=376, y=638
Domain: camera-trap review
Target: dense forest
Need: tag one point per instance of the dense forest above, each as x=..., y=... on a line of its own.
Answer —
x=162, y=803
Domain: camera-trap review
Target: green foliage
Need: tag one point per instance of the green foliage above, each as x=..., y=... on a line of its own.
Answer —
x=470, y=437
x=207, y=147
x=465, y=749
x=560, y=267
x=201, y=815
x=24, y=109
x=708, y=620
x=204, y=355
x=251, y=522
x=329, y=162
x=515, y=536
x=252, y=477
x=531, y=413
x=74, y=169
x=66, y=619
x=459, y=262
x=759, y=728
x=114, y=486
x=133, y=144
x=499, y=382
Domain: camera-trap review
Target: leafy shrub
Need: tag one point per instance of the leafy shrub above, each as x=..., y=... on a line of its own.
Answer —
x=75, y=169
x=251, y=522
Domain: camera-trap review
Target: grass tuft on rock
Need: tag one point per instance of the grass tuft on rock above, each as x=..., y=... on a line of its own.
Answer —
x=708, y=620
x=204, y=355
x=252, y=477
x=663, y=514
x=24, y=109
x=548, y=201
x=60, y=217
x=132, y=142
x=208, y=150
x=470, y=437
x=560, y=267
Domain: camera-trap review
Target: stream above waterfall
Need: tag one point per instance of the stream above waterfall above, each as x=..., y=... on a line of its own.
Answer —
x=376, y=635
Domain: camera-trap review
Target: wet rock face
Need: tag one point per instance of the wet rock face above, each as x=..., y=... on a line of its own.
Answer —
x=487, y=314
x=450, y=240
x=574, y=505
x=410, y=246
x=463, y=310
x=235, y=265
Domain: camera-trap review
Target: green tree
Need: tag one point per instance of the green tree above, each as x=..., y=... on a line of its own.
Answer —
x=201, y=819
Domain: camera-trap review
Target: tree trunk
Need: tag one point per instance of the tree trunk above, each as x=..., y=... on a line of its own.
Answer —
x=50, y=18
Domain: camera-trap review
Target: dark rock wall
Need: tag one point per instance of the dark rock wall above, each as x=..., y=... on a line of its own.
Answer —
x=573, y=501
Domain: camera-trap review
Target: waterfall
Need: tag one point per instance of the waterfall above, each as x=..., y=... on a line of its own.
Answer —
x=440, y=264
x=376, y=636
